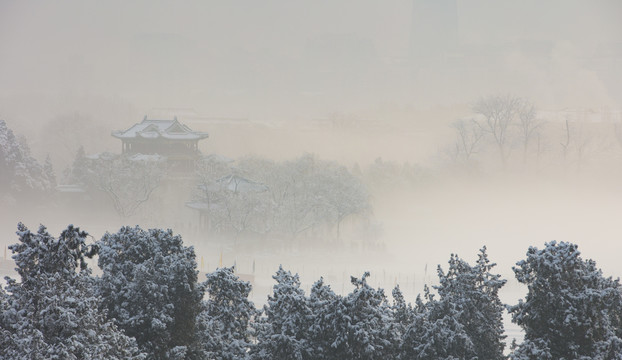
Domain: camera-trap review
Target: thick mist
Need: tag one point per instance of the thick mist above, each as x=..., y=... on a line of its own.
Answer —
x=375, y=86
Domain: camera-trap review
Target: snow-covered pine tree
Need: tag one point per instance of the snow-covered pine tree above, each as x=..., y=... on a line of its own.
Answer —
x=20, y=173
x=326, y=308
x=436, y=333
x=53, y=312
x=9, y=156
x=149, y=287
x=466, y=322
x=366, y=326
x=224, y=325
x=5, y=168
x=474, y=292
x=5, y=325
x=283, y=332
x=571, y=311
x=403, y=313
x=29, y=173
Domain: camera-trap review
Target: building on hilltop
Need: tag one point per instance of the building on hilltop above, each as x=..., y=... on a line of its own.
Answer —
x=168, y=138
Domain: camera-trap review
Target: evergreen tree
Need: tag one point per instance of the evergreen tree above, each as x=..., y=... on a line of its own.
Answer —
x=365, y=326
x=52, y=313
x=9, y=156
x=20, y=173
x=283, y=332
x=571, y=311
x=436, y=333
x=403, y=313
x=29, y=176
x=5, y=325
x=466, y=322
x=225, y=332
x=326, y=308
x=360, y=325
x=149, y=287
x=474, y=293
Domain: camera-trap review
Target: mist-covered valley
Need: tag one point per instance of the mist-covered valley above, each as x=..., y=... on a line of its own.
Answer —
x=331, y=138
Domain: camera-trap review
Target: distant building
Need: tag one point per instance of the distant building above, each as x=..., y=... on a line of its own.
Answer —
x=168, y=138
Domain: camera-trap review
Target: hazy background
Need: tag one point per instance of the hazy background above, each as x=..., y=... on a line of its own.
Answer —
x=284, y=62
x=349, y=80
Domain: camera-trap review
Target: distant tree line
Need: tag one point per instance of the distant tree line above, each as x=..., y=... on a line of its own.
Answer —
x=250, y=196
x=148, y=303
x=510, y=129
x=283, y=199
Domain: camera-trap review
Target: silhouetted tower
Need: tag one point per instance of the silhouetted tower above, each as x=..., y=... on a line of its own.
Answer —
x=434, y=31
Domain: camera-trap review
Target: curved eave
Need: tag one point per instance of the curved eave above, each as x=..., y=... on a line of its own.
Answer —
x=118, y=135
x=184, y=136
x=163, y=136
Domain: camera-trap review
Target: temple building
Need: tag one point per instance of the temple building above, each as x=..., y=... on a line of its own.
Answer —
x=168, y=138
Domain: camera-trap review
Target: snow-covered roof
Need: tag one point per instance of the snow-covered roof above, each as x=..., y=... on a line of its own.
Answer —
x=234, y=183
x=237, y=183
x=166, y=129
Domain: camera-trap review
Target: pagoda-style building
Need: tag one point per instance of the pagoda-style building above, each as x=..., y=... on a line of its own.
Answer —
x=168, y=138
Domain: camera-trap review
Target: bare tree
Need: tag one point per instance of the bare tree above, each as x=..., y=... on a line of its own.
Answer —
x=566, y=143
x=578, y=140
x=246, y=210
x=528, y=124
x=498, y=112
x=540, y=149
x=469, y=134
x=128, y=181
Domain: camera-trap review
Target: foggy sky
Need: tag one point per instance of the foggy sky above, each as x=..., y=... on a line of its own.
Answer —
x=284, y=59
